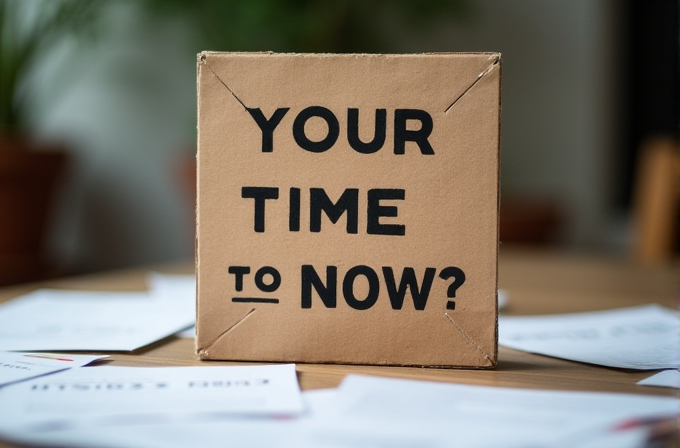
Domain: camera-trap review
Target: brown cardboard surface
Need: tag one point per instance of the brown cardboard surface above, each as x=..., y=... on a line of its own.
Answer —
x=444, y=201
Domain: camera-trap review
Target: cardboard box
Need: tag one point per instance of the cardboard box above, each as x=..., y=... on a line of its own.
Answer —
x=348, y=208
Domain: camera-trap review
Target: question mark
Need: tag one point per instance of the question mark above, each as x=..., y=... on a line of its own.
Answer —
x=459, y=279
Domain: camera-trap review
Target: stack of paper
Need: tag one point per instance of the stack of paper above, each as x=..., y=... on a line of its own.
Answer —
x=413, y=413
x=217, y=406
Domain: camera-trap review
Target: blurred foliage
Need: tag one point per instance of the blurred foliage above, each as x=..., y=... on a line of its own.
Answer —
x=29, y=30
x=334, y=26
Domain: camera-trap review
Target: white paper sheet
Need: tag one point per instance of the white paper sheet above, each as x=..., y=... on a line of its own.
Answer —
x=92, y=397
x=667, y=378
x=502, y=299
x=55, y=320
x=17, y=366
x=644, y=337
x=188, y=333
x=172, y=285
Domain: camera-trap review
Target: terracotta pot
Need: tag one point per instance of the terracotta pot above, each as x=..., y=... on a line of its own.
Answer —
x=28, y=177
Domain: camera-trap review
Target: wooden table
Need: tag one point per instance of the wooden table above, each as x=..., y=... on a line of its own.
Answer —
x=536, y=282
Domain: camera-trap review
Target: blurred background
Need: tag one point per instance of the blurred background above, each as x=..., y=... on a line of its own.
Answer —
x=98, y=124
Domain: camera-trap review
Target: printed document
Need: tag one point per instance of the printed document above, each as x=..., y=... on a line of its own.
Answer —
x=57, y=320
x=16, y=366
x=92, y=397
x=644, y=337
